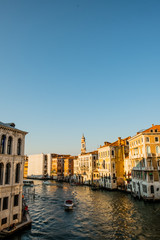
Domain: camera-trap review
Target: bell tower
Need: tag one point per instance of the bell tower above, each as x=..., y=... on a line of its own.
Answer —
x=83, y=145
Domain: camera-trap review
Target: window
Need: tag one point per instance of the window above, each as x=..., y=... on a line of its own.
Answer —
x=9, y=147
x=19, y=147
x=156, y=130
x=7, y=175
x=144, y=188
x=0, y=204
x=113, y=153
x=148, y=149
x=151, y=130
x=4, y=221
x=157, y=149
x=16, y=200
x=156, y=139
x=151, y=176
x=15, y=216
x=3, y=142
x=103, y=164
x=147, y=139
x=5, y=203
x=17, y=177
x=142, y=140
x=1, y=173
x=152, y=189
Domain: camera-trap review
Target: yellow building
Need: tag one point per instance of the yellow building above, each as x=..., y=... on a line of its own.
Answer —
x=25, y=173
x=111, y=158
x=57, y=165
x=144, y=155
x=68, y=167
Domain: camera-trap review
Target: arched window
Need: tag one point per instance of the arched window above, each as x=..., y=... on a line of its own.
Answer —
x=157, y=149
x=3, y=142
x=1, y=173
x=7, y=175
x=19, y=147
x=17, y=177
x=148, y=149
x=9, y=147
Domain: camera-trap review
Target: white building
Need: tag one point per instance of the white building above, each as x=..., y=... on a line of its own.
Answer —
x=39, y=165
x=12, y=142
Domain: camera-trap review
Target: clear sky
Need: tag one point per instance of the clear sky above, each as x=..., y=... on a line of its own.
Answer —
x=69, y=67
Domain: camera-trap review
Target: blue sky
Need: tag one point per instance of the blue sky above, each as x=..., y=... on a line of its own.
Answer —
x=73, y=67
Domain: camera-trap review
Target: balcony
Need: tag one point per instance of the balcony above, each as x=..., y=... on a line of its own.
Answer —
x=148, y=168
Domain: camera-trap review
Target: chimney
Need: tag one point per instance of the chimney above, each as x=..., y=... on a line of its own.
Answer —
x=152, y=125
x=119, y=140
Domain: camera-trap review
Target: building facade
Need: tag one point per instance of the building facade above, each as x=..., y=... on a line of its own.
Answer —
x=145, y=159
x=111, y=159
x=39, y=166
x=25, y=173
x=12, y=142
x=87, y=165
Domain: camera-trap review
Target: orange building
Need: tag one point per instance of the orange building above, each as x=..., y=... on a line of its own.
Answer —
x=25, y=172
x=111, y=158
x=68, y=167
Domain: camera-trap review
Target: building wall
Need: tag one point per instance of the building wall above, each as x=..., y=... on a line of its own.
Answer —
x=25, y=173
x=12, y=189
x=36, y=165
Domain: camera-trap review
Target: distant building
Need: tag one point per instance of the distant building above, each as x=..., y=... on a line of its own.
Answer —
x=87, y=164
x=39, y=165
x=68, y=167
x=25, y=174
x=12, y=142
x=144, y=155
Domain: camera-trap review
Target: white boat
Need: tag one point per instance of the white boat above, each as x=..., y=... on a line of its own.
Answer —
x=48, y=183
x=28, y=183
x=68, y=205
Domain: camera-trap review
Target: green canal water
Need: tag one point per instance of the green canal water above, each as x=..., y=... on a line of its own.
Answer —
x=96, y=215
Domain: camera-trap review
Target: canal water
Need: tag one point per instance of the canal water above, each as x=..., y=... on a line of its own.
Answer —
x=96, y=215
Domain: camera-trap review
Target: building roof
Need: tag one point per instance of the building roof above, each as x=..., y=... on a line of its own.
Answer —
x=148, y=130
x=154, y=127
x=11, y=126
x=116, y=143
x=93, y=152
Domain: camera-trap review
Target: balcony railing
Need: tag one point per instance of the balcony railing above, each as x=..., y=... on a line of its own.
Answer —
x=148, y=168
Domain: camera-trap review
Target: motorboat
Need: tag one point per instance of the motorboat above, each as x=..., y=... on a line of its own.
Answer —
x=28, y=183
x=48, y=183
x=68, y=205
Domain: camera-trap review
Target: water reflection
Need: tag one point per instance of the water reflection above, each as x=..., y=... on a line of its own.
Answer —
x=96, y=215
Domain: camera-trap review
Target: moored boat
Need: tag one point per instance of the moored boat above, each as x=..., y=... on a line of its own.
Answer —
x=68, y=205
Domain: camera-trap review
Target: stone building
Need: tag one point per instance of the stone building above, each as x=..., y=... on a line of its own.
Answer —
x=12, y=142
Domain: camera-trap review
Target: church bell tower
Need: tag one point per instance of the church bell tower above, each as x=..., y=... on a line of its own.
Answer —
x=83, y=145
